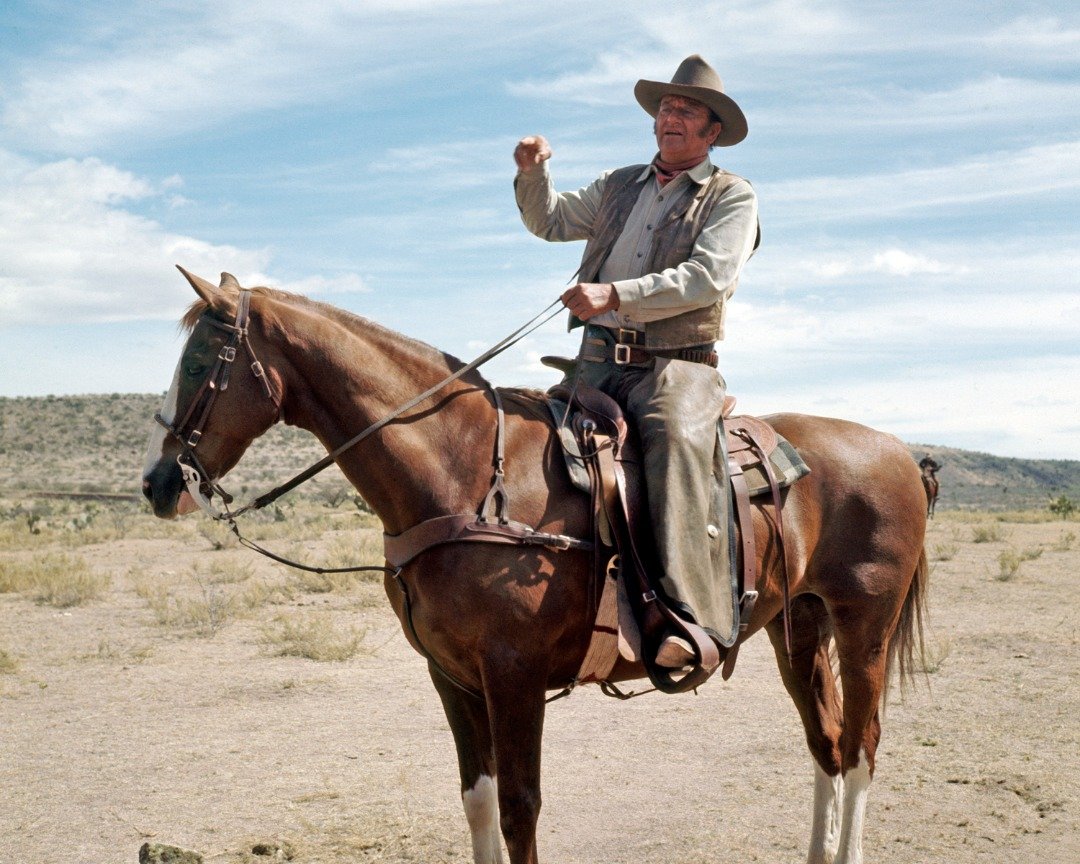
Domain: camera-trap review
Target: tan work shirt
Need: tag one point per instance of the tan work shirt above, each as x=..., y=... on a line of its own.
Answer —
x=710, y=274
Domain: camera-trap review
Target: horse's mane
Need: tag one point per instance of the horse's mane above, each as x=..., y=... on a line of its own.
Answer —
x=348, y=320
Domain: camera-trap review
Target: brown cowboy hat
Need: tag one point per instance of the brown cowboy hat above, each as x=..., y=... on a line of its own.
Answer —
x=696, y=79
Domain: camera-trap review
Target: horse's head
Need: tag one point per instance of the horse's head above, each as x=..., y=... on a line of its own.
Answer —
x=220, y=400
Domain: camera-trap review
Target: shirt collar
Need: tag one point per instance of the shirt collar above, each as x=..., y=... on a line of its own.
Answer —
x=700, y=173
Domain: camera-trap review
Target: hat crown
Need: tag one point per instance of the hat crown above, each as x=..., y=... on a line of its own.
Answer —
x=696, y=79
x=695, y=72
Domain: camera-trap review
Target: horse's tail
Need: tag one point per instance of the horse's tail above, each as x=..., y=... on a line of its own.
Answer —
x=906, y=643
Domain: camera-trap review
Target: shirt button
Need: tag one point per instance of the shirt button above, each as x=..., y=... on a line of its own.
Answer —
x=648, y=227
x=638, y=254
x=660, y=198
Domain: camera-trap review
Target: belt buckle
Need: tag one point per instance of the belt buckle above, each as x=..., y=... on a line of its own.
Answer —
x=622, y=355
x=627, y=336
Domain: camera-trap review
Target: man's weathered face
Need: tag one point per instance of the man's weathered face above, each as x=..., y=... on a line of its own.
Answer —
x=684, y=129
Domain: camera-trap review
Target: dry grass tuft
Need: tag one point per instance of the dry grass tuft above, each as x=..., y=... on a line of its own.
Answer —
x=935, y=653
x=1064, y=542
x=991, y=533
x=55, y=579
x=8, y=664
x=1009, y=562
x=313, y=637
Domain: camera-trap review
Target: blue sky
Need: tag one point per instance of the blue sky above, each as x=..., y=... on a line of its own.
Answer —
x=917, y=165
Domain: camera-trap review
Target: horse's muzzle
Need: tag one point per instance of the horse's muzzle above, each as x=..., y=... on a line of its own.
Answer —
x=162, y=487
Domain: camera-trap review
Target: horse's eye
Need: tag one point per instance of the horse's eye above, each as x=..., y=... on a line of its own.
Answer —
x=194, y=369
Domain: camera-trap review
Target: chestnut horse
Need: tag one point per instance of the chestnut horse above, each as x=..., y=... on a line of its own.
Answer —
x=513, y=622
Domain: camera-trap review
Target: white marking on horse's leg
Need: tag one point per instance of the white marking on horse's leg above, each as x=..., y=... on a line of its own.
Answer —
x=856, y=789
x=825, y=829
x=482, y=813
x=156, y=445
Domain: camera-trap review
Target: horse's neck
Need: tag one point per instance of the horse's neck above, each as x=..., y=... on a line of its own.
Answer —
x=422, y=465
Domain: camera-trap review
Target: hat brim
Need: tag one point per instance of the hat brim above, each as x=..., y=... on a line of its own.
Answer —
x=732, y=120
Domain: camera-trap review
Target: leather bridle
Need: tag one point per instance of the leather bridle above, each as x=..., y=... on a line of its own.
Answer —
x=189, y=429
x=455, y=528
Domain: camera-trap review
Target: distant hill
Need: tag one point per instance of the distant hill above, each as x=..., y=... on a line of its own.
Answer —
x=96, y=444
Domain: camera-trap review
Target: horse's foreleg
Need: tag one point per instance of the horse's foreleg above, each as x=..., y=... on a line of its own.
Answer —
x=470, y=725
x=516, y=708
x=809, y=680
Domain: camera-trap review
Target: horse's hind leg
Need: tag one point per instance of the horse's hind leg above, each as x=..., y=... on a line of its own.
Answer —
x=809, y=680
x=469, y=723
x=862, y=631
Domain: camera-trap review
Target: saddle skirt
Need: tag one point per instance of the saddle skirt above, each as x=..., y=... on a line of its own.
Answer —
x=618, y=629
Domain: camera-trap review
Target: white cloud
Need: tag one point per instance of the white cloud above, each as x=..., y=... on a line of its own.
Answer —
x=990, y=406
x=1033, y=171
x=1049, y=38
x=72, y=253
x=200, y=64
x=891, y=262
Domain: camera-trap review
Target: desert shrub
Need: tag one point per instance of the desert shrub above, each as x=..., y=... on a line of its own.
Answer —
x=944, y=551
x=350, y=549
x=313, y=637
x=334, y=494
x=225, y=572
x=205, y=611
x=1031, y=553
x=8, y=664
x=1062, y=506
x=258, y=593
x=1009, y=562
x=992, y=533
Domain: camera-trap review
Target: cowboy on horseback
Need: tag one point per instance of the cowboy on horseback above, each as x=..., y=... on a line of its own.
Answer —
x=665, y=244
x=929, y=466
x=931, y=485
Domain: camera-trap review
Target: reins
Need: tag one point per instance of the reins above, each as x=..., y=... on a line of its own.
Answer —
x=399, y=549
x=196, y=476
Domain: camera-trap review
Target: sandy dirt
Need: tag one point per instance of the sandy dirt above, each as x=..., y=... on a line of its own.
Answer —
x=116, y=729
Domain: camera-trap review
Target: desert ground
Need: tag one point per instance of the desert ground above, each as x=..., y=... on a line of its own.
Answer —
x=160, y=684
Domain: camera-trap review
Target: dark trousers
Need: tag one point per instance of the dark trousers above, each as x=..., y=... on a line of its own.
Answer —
x=676, y=406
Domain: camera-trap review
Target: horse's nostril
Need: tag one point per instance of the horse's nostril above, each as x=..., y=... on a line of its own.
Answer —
x=147, y=490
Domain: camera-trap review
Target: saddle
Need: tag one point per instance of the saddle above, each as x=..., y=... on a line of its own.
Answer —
x=603, y=458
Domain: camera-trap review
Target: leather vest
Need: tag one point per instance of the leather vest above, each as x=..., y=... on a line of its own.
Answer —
x=673, y=243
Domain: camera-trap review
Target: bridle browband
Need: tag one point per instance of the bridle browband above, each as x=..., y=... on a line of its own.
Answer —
x=189, y=430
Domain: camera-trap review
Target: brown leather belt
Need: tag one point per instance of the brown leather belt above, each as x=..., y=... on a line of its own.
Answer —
x=628, y=349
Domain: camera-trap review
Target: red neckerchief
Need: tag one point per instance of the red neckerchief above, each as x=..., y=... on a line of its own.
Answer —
x=668, y=171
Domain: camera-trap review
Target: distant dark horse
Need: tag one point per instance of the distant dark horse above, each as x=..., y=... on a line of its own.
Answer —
x=513, y=622
x=931, y=486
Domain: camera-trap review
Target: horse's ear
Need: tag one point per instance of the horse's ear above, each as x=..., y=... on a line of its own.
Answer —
x=207, y=290
x=229, y=281
x=220, y=300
